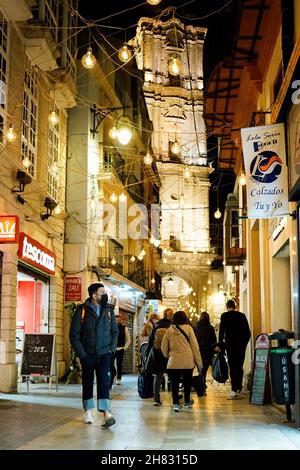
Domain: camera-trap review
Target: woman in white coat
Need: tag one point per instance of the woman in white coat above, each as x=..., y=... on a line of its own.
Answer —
x=181, y=348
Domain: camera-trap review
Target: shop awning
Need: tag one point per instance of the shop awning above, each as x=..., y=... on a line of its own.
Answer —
x=122, y=281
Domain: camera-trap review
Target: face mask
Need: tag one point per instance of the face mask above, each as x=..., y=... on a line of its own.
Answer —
x=103, y=300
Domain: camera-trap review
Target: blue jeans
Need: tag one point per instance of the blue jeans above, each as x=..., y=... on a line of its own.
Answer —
x=158, y=378
x=101, y=365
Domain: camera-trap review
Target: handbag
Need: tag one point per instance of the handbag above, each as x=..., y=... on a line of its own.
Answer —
x=220, y=368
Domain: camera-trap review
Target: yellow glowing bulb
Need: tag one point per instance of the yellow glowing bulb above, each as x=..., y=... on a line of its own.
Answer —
x=113, y=133
x=88, y=60
x=175, y=148
x=217, y=214
x=54, y=168
x=113, y=261
x=165, y=260
x=243, y=180
x=132, y=259
x=122, y=197
x=26, y=162
x=156, y=243
x=148, y=159
x=153, y=2
x=124, y=134
x=57, y=210
x=186, y=172
x=175, y=66
x=53, y=118
x=153, y=281
x=124, y=54
x=10, y=134
x=113, y=198
x=101, y=243
x=143, y=252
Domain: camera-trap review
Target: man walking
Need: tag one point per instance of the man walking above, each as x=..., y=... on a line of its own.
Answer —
x=93, y=336
x=235, y=332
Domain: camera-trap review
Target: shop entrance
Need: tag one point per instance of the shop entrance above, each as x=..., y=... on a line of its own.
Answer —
x=32, y=306
x=281, y=308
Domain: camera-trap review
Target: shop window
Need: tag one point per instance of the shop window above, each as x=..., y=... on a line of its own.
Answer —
x=29, y=116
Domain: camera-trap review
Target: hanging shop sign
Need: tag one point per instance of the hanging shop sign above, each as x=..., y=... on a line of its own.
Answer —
x=35, y=254
x=266, y=171
x=73, y=289
x=9, y=228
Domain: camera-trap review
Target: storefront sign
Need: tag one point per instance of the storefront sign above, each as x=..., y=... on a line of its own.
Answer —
x=35, y=254
x=266, y=171
x=9, y=228
x=259, y=392
x=73, y=289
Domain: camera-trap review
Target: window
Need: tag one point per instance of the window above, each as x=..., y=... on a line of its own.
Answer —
x=3, y=72
x=53, y=159
x=51, y=17
x=29, y=117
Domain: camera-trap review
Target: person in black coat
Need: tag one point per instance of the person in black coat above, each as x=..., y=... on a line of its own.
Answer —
x=156, y=362
x=235, y=333
x=206, y=337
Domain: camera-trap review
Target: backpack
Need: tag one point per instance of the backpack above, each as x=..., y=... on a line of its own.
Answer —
x=145, y=385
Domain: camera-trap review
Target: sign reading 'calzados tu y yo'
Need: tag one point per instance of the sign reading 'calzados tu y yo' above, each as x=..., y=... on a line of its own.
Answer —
x=266, y=171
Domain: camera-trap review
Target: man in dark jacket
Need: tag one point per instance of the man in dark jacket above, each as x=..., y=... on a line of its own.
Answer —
x=157, y=363
x=206, y=337
x=235, y=332
x=93, y=336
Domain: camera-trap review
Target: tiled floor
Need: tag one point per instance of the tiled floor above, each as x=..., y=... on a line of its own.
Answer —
x=54, y=421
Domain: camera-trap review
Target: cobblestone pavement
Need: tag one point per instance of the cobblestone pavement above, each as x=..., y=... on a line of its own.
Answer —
x=53, y=420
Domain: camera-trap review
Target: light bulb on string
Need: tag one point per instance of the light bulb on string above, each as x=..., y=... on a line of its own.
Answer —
x=175, y=148
x=11, y=134
x=217, y=214
x=124, y=132
x=113, y=198
x=53, y=118
x=156, y=243
x=26, y=162
x=242, y=179
x=122, y=197
x=165, y=260
x=186, y=172
x=143, y=252
x=153, y=2
x=57, y=209
x=101, y=243
x=113, y=261
x=132, y=259
x=89, y=60
x=113, y=133
x=148, y=159
x=165, y=251
x=174, y=66
x=153, y=281
x=124, y=54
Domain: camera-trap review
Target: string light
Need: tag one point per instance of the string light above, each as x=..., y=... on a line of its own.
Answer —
x=217, y=214
x=175, y=148
x=53, y=118
x=124, y=54
x=88, y=60
x=208, y=262
x=165, y=251
x=10, y=134
x=165, y=260
x=124, y=132
x=57, y=209
x=153, y=2
x=156, y=243
x=113, y=133
x=101, y=243
x=122, y=197
x=113, y=198
x=175, y=66
x=236, y=268
x=143, y=252
x=153, y=281
x=113, y=261
x=148, y=159
x=243, y=180
x=26, y=162
x=186, y=173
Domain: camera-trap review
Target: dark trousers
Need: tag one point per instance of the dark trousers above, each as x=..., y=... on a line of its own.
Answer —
x=236, y=358
x=120, y=357
x=176, y=376
x=89, y=365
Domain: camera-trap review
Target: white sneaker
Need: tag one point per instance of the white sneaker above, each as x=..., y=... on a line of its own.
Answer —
x=118, y=381
x=109, y=420
x=233, y=396
x=88, y=417
x=176, y=408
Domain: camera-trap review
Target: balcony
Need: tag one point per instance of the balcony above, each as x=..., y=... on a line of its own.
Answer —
x=106, y=263
x=137, y=274
x=234, y=233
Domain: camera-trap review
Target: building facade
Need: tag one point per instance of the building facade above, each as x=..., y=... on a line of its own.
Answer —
x=37, y=88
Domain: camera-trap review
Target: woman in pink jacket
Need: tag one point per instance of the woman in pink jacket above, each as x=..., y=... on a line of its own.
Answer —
x=181, y=348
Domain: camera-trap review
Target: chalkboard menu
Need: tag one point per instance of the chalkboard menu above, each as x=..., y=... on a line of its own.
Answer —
x=260, y=371
x=37, y=354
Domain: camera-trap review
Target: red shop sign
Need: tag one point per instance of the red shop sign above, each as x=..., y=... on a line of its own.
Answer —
x=73, y=289
x=9, y=228
x=35, y=254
